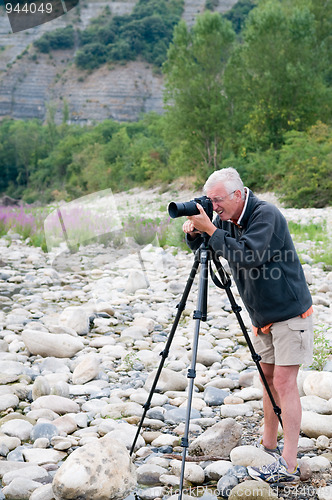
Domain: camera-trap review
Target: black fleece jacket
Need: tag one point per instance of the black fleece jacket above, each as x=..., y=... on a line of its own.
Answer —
x=263, y=261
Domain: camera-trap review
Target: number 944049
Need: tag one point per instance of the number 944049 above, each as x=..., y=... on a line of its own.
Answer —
x=28, y=8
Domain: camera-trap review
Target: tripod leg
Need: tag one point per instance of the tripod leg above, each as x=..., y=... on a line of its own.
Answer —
x=164, y=354
x=199, y=314
x=256, y=357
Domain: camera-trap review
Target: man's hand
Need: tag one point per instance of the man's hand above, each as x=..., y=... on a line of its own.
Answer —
x=201, y=222
x=189, y=228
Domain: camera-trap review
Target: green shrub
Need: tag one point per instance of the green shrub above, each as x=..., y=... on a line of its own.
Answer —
x=61, y=38
x=211, y=4
x=239, y=13
x=303, y=175
x=91, y=56
x=146, y=33
x=322, y=349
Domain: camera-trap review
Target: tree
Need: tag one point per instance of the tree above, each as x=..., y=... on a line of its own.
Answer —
x=274, y=78
x=304, y=168
x=197, y=108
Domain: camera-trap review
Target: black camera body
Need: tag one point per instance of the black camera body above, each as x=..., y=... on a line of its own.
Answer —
x=189, y=208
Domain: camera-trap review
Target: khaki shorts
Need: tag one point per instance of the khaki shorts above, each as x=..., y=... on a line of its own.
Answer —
x=289, y=342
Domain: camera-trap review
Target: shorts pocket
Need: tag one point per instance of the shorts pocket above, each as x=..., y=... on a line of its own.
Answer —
x=297, y=324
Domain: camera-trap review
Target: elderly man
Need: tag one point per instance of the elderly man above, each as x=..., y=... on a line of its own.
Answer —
x=254, y=238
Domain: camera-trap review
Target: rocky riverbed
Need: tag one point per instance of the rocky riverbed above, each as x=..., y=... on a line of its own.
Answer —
x=80, y=342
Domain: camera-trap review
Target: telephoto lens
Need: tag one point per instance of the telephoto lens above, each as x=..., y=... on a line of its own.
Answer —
x=189, y=207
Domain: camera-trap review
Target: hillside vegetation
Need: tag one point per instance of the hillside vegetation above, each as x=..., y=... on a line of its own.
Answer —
x=254, y=93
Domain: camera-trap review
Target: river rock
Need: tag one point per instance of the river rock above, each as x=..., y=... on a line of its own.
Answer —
x=17, y=428
x=86, y=370
x=126, y=433
x=318, y=384
x=42, y=456
x=214, y=396
x=8, y=401
x=101, y=470
x=41, y=387
x=251, y=490
x=20, y=489
x=168, y=381
x=314, y=425
x=136, y=281
x=44, y=492
x=149, y=474
x=58, y=404
x=324, y=493
x=250, y=455
x=218, y=440
x=76, y=318
x=231, y=410
x=217, y=469
x=43, y=430
x=192, y=472
x=316, y=404
x=33, y=472
x=50, y=344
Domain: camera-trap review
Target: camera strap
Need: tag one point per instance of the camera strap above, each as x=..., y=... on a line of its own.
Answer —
x=226, y=281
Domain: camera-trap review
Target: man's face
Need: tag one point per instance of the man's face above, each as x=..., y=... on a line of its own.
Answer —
x=228, y=205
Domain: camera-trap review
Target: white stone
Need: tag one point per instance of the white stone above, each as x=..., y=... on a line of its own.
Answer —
x=168, y=381
x=166, y=440
x=119, y=410
x=148, y=358
x=32, y=473
x=126, y=433
x=250, y=455
x=316, y=404
x=42, y=456
x=317, y=464
x=44, y=492
x=322, y=442
x=49, y=344
x=18, y=428
x=102, y=459
x=233, y=363
x=249, y=393
x=232, y=411
x=217, y=440
x=305, y=444
x=324, y=493
x=136, y=281
x=147, y=323
x=141, y=397
x=20, y=489
x=217, y=469
x=76, y=318
x=86, y=370
x=314, y=425
x=8, y=401
x=192, y=472
x=58, y=404
x=318, y=384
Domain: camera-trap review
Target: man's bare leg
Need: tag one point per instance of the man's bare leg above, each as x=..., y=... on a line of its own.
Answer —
x=285, y=383
x=271, y=420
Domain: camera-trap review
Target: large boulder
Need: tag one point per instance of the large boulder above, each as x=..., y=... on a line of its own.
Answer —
x=100, y=470
x=218, y=440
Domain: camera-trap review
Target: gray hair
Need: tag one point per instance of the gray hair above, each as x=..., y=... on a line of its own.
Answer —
x=229, y=177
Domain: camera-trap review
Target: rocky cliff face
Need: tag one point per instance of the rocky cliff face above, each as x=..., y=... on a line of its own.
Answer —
x=28, y=84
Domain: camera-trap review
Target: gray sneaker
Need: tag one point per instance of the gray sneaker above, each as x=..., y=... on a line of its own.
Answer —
x=274, y=452
x=276, y=473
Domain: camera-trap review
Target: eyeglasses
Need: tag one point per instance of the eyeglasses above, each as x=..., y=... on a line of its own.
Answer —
x=220, y=199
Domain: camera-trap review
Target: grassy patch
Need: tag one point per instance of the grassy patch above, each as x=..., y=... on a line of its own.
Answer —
x=320, y=249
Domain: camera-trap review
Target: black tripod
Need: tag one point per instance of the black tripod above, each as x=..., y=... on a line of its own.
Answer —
x=203, y=256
